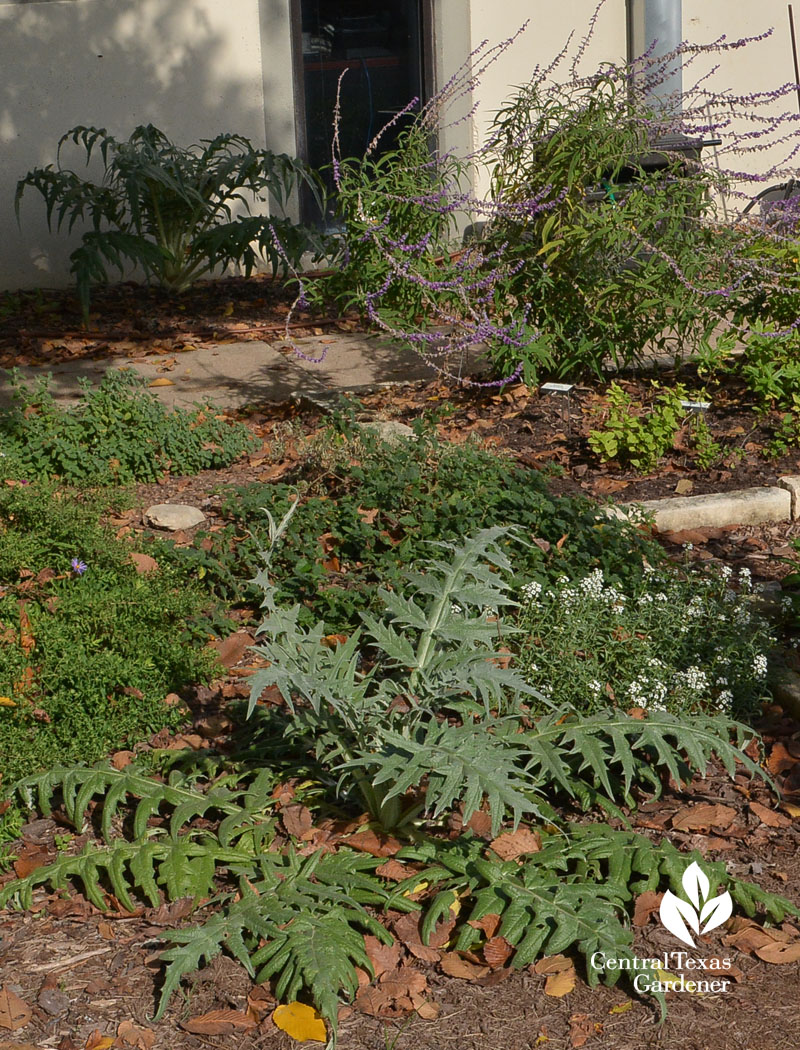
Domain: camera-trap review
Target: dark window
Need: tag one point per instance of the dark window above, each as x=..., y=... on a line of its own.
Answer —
x=380, y=47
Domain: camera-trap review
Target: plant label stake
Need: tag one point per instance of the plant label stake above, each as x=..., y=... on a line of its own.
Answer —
x=563, y=391
x=695, y=408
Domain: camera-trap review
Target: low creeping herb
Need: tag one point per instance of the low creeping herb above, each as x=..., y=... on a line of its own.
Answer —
x=117, y=432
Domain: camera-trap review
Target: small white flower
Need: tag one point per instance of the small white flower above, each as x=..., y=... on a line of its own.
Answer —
x=532, y=591
x=693, y=679
x=726, y=572
x=596, y=687
x=760, y=666
x=455, y=608
x=724, y=700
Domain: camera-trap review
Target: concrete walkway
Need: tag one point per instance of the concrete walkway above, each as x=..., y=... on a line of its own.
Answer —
x=237, y=374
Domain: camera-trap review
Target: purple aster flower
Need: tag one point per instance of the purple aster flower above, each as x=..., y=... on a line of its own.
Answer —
x=79, y=566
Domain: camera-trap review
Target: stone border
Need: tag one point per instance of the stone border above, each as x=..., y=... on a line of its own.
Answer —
x=751, y=506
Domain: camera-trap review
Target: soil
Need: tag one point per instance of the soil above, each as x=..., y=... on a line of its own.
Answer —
x=90, y=979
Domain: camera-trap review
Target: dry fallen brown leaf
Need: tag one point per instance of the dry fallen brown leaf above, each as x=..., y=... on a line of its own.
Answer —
x=769, y=816
x=384, y=957
x=297, y=819
x=646, y=904
x=780, y=759
x=497, y=951
x=218, y=1022
x=98, y=1041
x=561, y=983
x=779, y=953
x=454, y=966
x=399, y=992
x=143, y=562
x=703, y=816
x=406, y=929
x=375, y=842
x=581, y=1029
x=130, y=1034
x=512, y=844
x=231, y=650
x=489, y=924
x=14, y=1012
x=393, y=869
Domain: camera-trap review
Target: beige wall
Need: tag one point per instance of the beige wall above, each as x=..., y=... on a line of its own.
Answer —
x=761, y=66
x=461, y=26
x=192, y=67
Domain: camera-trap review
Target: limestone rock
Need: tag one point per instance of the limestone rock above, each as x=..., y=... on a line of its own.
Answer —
x=173, y=516
x=389, y=431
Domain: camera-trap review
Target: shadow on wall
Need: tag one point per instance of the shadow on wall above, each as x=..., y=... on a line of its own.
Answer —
x=192, y=67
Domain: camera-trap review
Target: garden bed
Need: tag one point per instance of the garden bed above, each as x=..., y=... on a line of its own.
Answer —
x=88, y=976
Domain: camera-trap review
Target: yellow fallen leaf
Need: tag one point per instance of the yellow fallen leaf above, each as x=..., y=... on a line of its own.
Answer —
x=668, y=979
x=622, y=1008
x=561, y=983
x=161, y=381
x=104, y=1044
x=455, y=907
x=6, y=701
x=301, y=1022
x=417, y=889
x=787, y=807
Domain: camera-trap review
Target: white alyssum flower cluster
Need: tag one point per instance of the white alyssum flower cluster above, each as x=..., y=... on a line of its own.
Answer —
x=594, y=644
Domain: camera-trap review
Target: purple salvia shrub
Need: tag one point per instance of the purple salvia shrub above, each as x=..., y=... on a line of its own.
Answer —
x=586, y=257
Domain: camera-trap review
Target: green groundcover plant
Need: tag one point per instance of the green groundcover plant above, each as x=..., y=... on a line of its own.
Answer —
x=118, y=432
x=640, y=435
x=368, y=509
x=414, y=718
x=89, y=647
x=178, y=213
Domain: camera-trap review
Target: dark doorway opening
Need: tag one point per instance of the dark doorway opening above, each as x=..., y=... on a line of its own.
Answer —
x=381, y=46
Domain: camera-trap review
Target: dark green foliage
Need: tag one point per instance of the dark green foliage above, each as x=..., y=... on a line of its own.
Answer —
x=608, y=265
x=421, y=490
x=177, y=213
x=118, y=432
x=104, y=647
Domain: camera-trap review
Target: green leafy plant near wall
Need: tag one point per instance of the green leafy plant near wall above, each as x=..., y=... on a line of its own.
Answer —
x=173, y=211
x=610, y=257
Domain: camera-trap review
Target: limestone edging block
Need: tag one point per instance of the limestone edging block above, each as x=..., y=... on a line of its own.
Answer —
x=740, y=507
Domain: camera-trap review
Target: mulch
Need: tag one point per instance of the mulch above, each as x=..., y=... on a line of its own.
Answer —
x=45, y=327
x=89, y=979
